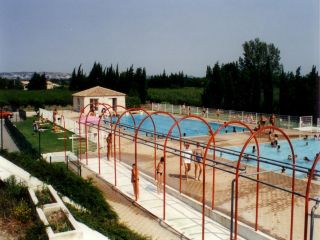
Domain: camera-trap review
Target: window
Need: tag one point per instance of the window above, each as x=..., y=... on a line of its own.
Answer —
x=94, y=104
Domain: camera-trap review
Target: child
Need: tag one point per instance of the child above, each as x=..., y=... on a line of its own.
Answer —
x=160, y=168
x=135, y=181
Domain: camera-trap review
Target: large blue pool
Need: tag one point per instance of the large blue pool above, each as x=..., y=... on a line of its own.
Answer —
x=302, y=149
x=189, y=127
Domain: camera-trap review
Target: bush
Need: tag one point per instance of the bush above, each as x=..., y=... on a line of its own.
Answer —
x=99, y=216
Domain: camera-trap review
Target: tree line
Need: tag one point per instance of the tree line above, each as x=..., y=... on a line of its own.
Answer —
x=257, y=82
x=132, y=81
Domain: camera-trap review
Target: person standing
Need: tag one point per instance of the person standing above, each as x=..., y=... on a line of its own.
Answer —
x=109, y=146
x=135, y=181
x=160, y=168
x=187, y=156
x=198, y=156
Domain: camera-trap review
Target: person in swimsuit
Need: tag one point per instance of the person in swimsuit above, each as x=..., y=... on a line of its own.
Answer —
x=187, y=156
x=198, y=156
x=160, y=167
x=109, y=146
x=135, y=181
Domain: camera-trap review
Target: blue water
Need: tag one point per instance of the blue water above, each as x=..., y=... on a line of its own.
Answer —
x=301, y=149
x=189, y=127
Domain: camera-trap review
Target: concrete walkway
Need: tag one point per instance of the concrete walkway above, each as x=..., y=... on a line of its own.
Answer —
x=179, y=215
x=8, y=143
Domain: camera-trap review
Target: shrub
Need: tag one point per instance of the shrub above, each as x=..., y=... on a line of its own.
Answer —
x=99, y=216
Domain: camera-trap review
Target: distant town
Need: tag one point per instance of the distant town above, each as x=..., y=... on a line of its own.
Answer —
x=28, y=75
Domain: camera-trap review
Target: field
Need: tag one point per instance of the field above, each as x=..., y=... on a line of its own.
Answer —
x=187, y=95
x=21, y=98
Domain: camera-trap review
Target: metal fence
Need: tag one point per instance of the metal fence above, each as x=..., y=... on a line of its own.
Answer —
x=282, y=121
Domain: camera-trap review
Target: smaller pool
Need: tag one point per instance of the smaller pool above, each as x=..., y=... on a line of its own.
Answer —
x=302, y=148
x=189, y=127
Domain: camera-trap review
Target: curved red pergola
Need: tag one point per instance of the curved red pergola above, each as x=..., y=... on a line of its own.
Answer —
x=212, y=139
x=100, y=117
x=79, y=125
x=226, y=124
x=86, y=131
x=310, y=177
x=238, y=172
x=114, y=138
x=165, y=156
x=149, y=115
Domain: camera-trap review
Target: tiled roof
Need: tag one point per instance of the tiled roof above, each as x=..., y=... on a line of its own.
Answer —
x=98, y=92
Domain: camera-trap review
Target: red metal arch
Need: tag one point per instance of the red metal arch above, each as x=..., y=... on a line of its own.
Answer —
x=212, y=139
x=86, y=131
x=154, y=134
x=311, y=173
x=100, y=117
x=164, y=154
x=79, y=125
x=238, y=171
x=114, y=108
x=114, y=138
x=226, y=124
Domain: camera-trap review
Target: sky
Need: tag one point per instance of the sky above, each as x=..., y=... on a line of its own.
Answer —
x=175, y=35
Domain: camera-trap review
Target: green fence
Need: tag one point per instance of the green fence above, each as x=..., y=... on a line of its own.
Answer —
x=20, y=140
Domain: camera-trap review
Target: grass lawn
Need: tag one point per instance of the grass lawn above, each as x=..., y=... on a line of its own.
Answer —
x=50, y=141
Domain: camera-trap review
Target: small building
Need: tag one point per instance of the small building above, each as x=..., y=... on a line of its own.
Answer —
x=50, y=85
x=98, y=95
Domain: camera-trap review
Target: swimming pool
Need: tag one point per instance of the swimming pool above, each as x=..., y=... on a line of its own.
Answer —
x=189, y=127
x=302, y=148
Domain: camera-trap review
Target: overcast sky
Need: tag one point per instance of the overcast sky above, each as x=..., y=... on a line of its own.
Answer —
x=188, y=35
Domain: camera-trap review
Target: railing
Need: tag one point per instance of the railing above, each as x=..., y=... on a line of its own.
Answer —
x=282, y=121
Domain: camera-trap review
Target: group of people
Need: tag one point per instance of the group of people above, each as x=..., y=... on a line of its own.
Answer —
x=188, y=156
x=195, y=156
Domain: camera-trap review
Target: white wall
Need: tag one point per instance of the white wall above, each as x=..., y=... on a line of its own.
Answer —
x=84, y=101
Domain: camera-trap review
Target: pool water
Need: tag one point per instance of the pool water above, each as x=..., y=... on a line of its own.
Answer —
x=302, y=148
x=189, y=127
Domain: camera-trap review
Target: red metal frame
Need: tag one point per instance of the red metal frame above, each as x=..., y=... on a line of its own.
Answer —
x=155, y=137
x=100, y=117
x=238, y=172
x=212, y=139
x=86, y=130
x=114, y=138
x=226, y=124
x=79, y=125
x=306, y=215
x=165, y=157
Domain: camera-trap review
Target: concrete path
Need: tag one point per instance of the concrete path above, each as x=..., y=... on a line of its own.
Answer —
x=8, y=143
x=130, y=214
x=179, y=215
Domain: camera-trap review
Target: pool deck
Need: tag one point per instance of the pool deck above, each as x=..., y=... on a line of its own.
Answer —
x=179, y=215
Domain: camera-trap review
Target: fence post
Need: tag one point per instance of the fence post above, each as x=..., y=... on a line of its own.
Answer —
x=256, y=118
x=165, y=107
x=242, y=116
x=207, y=112
x=180, y=109
x=152, y=106
x=197, y=110
x=172, y=108
x=289, y=122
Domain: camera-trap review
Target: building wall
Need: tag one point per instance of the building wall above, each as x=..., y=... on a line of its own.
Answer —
x=84, y=101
